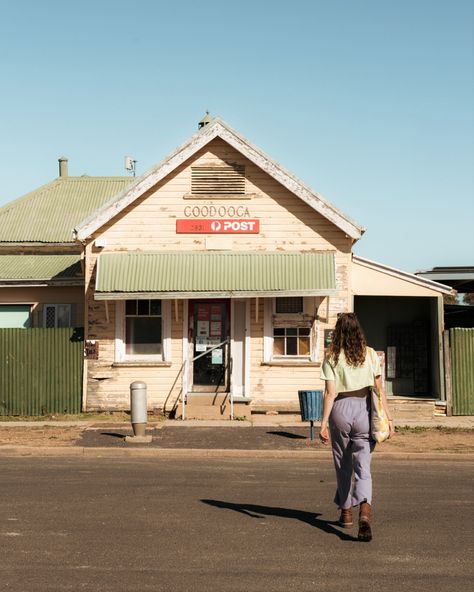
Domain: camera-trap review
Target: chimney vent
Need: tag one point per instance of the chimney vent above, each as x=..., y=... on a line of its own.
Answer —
x=63, y=172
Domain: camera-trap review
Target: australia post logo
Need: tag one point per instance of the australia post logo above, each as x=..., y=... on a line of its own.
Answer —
x=218, y=226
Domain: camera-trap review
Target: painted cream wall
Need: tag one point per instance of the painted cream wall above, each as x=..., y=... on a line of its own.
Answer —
x=286, y=224
x=39, y=296
x=367, y=281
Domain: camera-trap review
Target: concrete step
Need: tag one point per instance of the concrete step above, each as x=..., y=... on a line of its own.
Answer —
x=213, y=406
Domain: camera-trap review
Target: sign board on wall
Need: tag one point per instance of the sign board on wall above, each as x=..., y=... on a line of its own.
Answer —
x=221, y=226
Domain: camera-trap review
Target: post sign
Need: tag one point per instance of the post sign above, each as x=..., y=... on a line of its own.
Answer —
x=218, y=226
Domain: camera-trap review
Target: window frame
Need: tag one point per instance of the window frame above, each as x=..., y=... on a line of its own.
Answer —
x=305, y=319
x=120, y=336
x=56, y=307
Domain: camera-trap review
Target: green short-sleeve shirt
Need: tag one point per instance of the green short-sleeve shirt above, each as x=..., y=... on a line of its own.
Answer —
x=350, y=378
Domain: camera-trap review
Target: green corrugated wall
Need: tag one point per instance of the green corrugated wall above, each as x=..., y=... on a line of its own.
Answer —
x=41, y=371
x=462, y=370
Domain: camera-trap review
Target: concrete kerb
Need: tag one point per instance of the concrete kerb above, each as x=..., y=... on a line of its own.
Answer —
x=459, y=422
x=186, y=453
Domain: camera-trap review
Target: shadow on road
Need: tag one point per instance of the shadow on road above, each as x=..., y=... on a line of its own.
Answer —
x=113, y=435
x=288, y=435
x=311, y=518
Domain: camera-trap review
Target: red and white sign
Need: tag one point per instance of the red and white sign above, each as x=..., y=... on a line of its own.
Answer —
x=234, y=226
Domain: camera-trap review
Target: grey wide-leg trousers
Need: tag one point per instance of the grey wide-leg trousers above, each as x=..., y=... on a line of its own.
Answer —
x=352, y=447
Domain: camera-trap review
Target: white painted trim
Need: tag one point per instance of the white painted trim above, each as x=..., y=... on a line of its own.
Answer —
x=267, y=330
x=185, y=345
x=245, y=360
x=166, y=328
x=402, y=275
x=119, y=330
x=217, y=128
x=120, y=335
x=209, y=295
x=247, y=391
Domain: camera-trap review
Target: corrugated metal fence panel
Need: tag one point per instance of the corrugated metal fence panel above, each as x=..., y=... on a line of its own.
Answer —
x=462, y=370
x=41, y=371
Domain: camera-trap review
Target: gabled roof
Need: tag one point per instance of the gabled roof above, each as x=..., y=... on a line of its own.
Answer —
x=216, y=129
x=49, y=214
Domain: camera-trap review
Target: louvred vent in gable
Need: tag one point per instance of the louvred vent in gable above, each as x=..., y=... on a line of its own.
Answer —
x=218, y=180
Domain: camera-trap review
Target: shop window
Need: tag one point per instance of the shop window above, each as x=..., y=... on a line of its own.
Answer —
x=141, y=331
x=291, y=341
x=56, y=316
x=289, y=329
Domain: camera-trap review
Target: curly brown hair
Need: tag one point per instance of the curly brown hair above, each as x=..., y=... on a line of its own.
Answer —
x=349, y=337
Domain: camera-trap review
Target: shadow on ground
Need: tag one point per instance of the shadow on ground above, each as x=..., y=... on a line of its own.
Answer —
x=311, y=518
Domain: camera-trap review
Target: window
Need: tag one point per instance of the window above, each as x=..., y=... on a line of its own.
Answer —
x=289, y=305
x=143, y=328
x=291, y=329
x=291, y=341
x=143, y=331
x=56, y=316
x=15, y=316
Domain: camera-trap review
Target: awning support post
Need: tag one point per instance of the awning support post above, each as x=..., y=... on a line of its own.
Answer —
x=256, y=309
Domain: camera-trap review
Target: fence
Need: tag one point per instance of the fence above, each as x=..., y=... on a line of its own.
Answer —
x=41, y=371
x=461, y=343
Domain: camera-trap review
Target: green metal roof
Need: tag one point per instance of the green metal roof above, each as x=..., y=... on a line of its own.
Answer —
x=15, y=268
x=216, y=274
x=49, y=214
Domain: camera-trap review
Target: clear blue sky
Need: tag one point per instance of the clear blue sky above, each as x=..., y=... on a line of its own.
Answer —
x=370, y=102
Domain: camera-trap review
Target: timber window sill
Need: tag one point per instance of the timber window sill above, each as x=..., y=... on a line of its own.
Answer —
x=292, y=363
x=136, y=364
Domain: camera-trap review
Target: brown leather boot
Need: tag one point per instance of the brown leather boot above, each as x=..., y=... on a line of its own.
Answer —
x=345, y=519
x=365, y=515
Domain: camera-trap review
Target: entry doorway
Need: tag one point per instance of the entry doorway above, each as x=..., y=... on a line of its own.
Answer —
x=209, y=326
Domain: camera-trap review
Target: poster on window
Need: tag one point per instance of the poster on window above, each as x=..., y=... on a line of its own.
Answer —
x=201, y=343
x=203, y=329
x=215, y=312
x=217, y=356
x=203, y=312
x=216, y=328
x=391, y=362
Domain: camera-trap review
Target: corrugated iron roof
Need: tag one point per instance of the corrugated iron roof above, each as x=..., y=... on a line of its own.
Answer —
x=40, y=267
x=49, y=213
x=185, y=274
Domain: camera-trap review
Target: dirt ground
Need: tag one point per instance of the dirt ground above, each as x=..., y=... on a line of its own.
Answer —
x=405, y=440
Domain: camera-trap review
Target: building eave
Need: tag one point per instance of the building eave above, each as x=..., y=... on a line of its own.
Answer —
x=217, y=128
x=404, y=275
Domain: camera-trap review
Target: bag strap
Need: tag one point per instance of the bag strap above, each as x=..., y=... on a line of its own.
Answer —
x=371, y=354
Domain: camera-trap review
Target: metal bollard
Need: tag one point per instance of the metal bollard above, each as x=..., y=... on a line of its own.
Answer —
x=138, y=412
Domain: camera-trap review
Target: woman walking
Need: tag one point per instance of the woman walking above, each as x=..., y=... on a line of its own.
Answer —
x=349, y=370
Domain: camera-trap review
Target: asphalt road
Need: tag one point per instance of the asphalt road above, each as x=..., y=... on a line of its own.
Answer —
x=229, y=525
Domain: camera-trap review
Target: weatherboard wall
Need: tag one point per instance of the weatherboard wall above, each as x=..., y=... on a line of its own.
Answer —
x=149, y=224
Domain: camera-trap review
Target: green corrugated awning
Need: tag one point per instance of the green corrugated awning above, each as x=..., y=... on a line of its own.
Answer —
x=40, y=268
x=217, y=274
